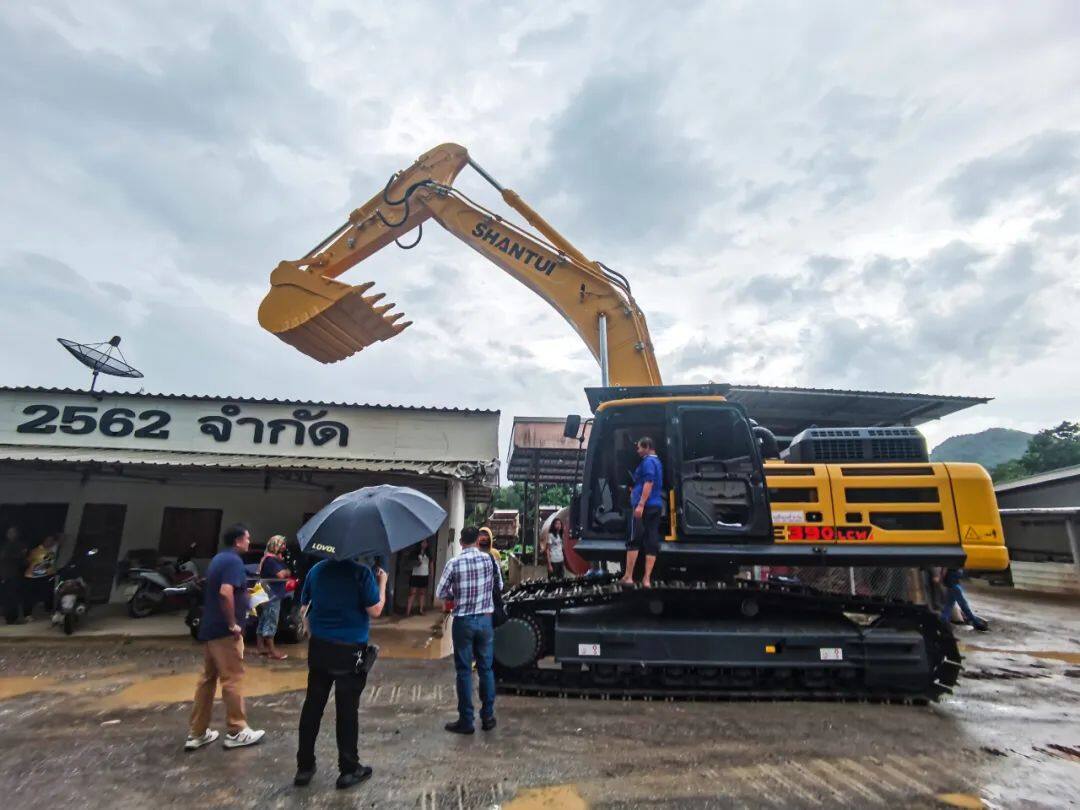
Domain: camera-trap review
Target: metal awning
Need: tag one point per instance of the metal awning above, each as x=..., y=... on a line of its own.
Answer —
x=788, y=411
x=480, y=477
x=540, y=454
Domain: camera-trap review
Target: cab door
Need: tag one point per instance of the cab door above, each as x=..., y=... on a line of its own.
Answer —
x=720, y=486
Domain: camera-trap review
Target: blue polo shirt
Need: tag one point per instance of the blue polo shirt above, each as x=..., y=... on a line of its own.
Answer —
x=339, y=593
x=650, y=469
x=225, y=569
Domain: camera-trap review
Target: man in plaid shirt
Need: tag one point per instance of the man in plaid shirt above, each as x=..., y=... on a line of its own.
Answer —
x=468, y=580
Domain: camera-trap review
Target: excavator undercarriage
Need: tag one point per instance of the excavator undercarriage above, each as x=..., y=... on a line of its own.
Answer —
x=740, y=639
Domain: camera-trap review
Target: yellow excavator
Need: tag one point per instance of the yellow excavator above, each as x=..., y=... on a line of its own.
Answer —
x=857, y=497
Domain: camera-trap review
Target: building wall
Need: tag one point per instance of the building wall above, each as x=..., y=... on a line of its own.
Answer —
x=242, y=497
x=1039, y=538
x=1052, y=493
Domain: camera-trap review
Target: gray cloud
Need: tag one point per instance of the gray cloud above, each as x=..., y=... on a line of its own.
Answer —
x=1037, y=166
x=718, y=359
x=994, y=321
x=838, y=173
x=623, y=164
x=759, y=197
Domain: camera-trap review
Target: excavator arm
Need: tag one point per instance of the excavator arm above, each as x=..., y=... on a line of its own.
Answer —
x=330, y=320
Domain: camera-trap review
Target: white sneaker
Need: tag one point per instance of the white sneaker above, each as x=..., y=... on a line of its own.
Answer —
x=245, y=736
x=195, y=743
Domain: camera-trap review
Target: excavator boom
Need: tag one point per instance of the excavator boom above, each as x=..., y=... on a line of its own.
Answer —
x=330, y=321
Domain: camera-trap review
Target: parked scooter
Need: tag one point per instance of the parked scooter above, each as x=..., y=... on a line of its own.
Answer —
x=156, y=588
x=71, y=593
x=291, y=628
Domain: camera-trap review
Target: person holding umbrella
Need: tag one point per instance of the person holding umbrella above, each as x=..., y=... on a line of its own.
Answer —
x=340, y=596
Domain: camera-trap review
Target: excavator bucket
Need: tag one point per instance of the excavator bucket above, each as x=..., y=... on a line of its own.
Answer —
x=323, y=318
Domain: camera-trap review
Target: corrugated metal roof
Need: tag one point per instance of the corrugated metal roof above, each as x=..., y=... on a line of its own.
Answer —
x=1062, y=512
x=788, y=410
x=253, y=400
x=464, y=470
x=842, y=391
x=1041, y=478
x=539, y=448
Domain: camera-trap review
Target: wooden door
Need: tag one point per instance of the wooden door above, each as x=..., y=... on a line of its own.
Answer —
x=183, y=528
x=101, y=528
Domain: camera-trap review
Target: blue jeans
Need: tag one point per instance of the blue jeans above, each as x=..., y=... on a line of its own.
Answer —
x=954, y=595
x=474, y=635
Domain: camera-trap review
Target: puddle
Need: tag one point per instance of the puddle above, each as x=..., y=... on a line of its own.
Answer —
x=965, y=800
x=179, y=688
x=556, y=797
x=24, y=685
x=1049, y=655
x=422, y=642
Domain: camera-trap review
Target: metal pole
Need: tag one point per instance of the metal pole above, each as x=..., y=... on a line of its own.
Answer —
x=523, y=527
x=605, y=376
x=851, y=580
x=536, y=514
x=1074, y=540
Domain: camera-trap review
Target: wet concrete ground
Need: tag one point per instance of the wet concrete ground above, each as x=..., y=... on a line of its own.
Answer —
x=102, y=723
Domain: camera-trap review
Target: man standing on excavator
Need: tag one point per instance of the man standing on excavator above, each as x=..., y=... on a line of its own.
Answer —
x=647, y=498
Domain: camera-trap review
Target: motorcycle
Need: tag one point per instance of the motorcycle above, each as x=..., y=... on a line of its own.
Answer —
x=291, y=629
x=191, y=593
x=70, y=594
x=155, y=589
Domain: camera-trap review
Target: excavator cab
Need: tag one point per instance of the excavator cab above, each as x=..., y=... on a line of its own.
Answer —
x=714, y=480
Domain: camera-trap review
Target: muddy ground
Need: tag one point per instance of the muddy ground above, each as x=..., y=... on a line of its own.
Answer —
x=102, y=724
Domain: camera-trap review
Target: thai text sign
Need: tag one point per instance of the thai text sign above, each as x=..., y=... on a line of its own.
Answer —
x=64, y=419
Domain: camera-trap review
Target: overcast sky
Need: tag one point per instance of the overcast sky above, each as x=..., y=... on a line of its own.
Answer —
x=850, y=195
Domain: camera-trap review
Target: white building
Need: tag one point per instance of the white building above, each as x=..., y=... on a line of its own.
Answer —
x=147, y=471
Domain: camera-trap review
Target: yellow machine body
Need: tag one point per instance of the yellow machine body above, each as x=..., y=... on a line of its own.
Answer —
x=888, y=504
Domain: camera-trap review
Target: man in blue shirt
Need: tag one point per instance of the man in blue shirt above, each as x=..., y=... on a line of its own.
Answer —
x=225, y=609
x=647, y=500
x=339, y=597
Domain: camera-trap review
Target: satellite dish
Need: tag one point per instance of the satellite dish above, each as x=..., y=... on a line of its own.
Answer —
x=99, y=358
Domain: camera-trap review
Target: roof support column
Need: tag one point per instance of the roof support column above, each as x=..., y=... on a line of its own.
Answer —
x=1073, y=532
x=449, y=537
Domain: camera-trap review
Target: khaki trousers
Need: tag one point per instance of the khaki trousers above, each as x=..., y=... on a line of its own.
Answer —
x=223, y=661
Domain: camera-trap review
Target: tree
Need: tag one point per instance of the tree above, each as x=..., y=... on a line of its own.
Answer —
x=513, y=496
x=1049, y=449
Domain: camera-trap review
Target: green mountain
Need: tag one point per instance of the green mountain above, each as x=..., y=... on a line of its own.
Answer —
x=989, y=447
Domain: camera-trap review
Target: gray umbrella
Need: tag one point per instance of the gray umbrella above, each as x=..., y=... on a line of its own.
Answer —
x=373, y=521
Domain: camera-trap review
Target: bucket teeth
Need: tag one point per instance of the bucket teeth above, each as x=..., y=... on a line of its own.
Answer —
x=326, y=319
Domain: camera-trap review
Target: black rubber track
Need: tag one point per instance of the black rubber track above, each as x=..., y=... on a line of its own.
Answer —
x=554, y=595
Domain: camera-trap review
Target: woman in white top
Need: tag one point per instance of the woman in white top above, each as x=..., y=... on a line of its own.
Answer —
x=418, y=579
x=556, y=561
